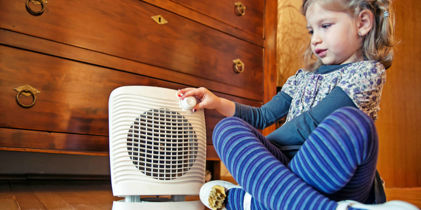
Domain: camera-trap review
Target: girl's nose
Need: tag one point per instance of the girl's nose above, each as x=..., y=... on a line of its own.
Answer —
x=315, y=39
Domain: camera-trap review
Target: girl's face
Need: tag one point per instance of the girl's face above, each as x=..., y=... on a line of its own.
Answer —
x=334, y=35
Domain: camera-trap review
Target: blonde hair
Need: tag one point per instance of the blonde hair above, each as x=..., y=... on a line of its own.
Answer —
x=377, y=44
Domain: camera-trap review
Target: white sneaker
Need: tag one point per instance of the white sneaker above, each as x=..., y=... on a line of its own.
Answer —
x=213, y=193
x=392, y=205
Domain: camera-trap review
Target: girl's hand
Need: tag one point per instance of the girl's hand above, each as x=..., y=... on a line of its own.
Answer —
x=207, y=100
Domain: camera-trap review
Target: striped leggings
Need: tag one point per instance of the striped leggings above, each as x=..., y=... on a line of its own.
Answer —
x=336, y=162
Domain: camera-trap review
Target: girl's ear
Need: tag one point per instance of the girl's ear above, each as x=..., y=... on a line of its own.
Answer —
x=365, y=22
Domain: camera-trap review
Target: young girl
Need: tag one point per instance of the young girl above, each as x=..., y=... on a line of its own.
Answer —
x=325, y=155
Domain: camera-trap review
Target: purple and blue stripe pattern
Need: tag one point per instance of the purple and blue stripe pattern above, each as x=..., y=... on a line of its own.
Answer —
x=336, y=162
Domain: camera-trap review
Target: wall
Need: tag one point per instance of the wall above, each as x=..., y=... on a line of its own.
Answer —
x=292, y=38
x=399, y=119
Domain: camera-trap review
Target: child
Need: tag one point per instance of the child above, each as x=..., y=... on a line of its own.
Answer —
x=325, y=155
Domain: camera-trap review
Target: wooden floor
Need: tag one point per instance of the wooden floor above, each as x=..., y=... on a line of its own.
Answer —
x=92, y=195
x=56, y=195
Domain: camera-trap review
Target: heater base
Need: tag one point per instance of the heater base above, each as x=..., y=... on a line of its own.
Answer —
x=170, y=205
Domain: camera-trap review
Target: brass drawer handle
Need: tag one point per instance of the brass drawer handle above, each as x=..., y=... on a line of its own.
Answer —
x=239, y=9
x=26, y=90
x=238, y=65
x=43, y=4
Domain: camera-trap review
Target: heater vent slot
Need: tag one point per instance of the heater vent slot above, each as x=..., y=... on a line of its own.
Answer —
x=162, y=144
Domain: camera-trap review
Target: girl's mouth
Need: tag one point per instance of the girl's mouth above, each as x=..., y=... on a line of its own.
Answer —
x=321, y=52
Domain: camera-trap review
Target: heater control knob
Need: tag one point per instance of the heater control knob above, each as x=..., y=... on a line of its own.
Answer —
x=188, y=103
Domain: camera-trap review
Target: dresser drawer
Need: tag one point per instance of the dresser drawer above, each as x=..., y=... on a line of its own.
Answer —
x=125, y=29
x=244, y=14
x=72, y=101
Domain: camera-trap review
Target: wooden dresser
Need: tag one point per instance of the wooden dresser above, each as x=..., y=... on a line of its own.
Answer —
x=59, y=61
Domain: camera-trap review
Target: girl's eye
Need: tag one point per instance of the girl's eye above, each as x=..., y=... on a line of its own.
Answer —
x=310, y=32
x=326, y=25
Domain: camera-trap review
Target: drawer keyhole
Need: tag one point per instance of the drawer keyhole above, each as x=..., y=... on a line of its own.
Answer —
x=159, y=19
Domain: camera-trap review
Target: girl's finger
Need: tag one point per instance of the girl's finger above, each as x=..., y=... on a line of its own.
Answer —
x=182, y=92
x=192, y=92
x=198, y=106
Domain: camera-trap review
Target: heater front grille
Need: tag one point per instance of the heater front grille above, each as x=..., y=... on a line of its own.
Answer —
x=162, y=144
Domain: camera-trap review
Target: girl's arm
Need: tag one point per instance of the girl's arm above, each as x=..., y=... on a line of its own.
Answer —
x=208, y=100
x=259, y=117
x=296, y=131
x=266, y=115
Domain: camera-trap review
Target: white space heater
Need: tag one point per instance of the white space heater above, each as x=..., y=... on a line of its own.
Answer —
x=157, y=149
